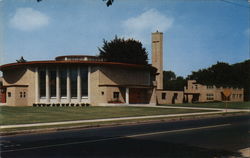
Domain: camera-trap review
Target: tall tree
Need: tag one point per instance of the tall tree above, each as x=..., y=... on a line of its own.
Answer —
x=125, y=51
x=171, y=82
x=223, y=74
x=169, y=75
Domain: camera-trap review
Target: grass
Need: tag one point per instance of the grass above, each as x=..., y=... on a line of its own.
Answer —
x=25, y=115
x=230, y=105
x=107, y=123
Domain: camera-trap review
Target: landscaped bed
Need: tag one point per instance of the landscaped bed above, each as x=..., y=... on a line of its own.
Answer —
x=25, y=115
x=230, y=105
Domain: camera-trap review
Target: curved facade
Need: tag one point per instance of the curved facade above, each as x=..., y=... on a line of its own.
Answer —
x=77, y=80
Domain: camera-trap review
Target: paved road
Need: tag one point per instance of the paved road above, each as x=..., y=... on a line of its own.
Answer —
x=205, y=138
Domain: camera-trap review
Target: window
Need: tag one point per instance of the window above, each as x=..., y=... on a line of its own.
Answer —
x=84, y=80
x=116, y=95
x=210, y=87
x=240, y=96
x=163, y=95
x=21, y=94
x=73, y=82
x=24, y=94
x=233, y=96
x=102, y=93
x=42, y=83
x=63, y=82
x=210, y=96
x=196, y=86
x=9, y=94
x=52, y=83
x=175, y=95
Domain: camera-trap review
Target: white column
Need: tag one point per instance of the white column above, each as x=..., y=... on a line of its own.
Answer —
x=68, y=86
x=89, y=80
x=58, y=88
x=37, y=85
x=47, y=86
x=127, y=95
x=79, y=90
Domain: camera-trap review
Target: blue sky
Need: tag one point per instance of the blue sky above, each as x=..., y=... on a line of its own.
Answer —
x=197, y=33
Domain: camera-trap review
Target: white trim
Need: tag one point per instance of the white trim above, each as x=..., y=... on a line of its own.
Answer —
x=68, y=86
x=127, y=95
x=47, y=86
x=79, y=87
x=58, y=88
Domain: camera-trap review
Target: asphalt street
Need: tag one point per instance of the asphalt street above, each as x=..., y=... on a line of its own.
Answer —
x=204, y=138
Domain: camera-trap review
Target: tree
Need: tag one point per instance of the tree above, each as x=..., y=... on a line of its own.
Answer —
x=223, y=74
x=169, y=75
x=125, y=51
x=108, y=2
x=171, y=82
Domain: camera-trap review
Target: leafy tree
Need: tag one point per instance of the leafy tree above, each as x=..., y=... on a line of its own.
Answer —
x=223, y=74
x=171, y=82
x=108, y=2
x=125, y=51
x=169, y=75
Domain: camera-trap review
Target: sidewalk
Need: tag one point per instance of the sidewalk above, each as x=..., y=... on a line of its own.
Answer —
x=192, y=108
x=109, y=119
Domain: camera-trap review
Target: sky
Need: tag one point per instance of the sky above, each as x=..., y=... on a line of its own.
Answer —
x=197, y=33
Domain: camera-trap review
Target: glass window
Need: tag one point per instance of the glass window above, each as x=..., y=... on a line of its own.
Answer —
x=52, y=83
x=84, y=80
x=9, y=94
x=240, y=96
x=163, y=95
x=210, y=87
x=116, y=95
x=42, y=83
x=210, y=96
x=73, y=82
x=63, y=82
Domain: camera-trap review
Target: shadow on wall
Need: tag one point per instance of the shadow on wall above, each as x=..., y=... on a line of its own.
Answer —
x=12, y=77
x=123, y=76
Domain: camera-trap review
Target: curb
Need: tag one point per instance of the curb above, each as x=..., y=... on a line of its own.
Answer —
x=127, y=122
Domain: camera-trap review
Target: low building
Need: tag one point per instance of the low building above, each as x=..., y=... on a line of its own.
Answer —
x=169, y=97
x=77, y=80
x=195, y=92
x=83, y=80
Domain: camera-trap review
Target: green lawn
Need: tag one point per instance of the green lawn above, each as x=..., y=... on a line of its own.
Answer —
x=231, y=105
x=23, y=115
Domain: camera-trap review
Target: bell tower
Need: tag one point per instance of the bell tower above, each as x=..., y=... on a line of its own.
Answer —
x=157, y=57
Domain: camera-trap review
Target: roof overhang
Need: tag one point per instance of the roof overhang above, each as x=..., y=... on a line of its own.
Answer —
x=60, y=63
x=127, y=86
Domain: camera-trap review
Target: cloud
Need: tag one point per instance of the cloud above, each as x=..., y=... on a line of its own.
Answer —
x=141, y=26
x=28, y=19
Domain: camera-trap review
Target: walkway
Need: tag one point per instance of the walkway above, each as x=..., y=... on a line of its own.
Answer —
x=216, y=111
x=192, y=108
x=108, y=119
